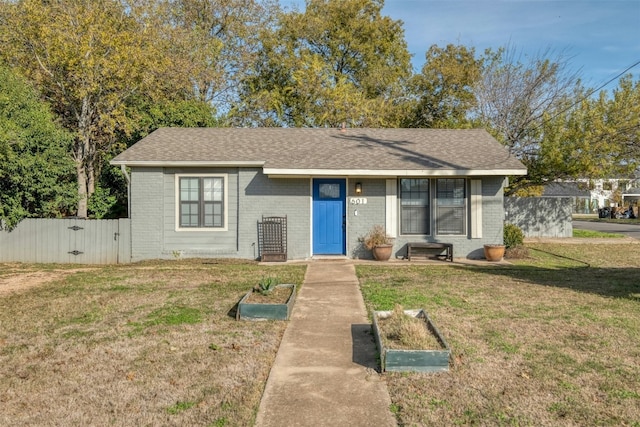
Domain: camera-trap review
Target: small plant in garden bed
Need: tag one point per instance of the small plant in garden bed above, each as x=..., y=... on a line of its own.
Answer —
x=278, y=295
x=402, y=331
x=268, y=291
x=267, y=300
x=266, y=286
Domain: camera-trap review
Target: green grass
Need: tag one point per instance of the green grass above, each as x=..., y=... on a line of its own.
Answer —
x=180, y=407
x=170, y=315
x=594, y=234
x=594, y=218
x=548, y=340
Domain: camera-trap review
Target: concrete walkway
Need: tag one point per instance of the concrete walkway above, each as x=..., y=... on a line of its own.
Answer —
x=325, y=370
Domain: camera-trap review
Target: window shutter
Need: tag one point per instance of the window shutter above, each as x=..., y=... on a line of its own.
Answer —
x=391, y=208
x=476, y=208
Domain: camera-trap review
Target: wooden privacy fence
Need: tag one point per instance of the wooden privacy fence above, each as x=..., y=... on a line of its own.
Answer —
x=71, y=241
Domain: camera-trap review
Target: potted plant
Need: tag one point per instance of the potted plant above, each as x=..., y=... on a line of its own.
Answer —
x=513, y=237
x=494, y=252
x=379, y=243
x=267, y=300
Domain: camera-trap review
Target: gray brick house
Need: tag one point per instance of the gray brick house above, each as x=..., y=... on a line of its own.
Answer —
x=202, y=192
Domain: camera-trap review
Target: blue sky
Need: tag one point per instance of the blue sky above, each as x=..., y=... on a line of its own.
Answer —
x=602, y=37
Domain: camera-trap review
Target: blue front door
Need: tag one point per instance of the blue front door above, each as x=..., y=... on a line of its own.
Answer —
x=329, y=206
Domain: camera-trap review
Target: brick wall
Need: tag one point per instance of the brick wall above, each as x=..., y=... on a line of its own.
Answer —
x=262, y=196
x=253, y=195
x=374, y=212
x=147, y=195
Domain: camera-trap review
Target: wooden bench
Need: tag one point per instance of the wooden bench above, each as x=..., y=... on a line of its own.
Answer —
x=415, y=247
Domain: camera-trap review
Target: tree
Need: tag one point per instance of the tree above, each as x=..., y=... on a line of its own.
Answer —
x=524, y=105
x=89, y=58
x=615, y=124
x=444, y=89
x=587, y=137
x=338, y=61
x=218, y=41
x=36, y=170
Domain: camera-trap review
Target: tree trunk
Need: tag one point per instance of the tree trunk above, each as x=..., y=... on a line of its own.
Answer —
x=91, y=178
x=82, y=189
x=83, y=158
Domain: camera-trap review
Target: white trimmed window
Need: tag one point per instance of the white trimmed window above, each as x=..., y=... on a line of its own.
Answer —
x=451, y=207
x=202, y=201
x=414, y=206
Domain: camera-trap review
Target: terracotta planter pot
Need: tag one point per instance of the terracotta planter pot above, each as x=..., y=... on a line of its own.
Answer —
x=494, y=252
x=382, y=252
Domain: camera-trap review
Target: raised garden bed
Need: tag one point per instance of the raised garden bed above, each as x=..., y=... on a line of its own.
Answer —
x=434, y=359
x=277, y=306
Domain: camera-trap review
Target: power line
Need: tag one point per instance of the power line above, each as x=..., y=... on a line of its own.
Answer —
x=593, y=91
x=613, y=78
x=539, y=126
x=618, y=132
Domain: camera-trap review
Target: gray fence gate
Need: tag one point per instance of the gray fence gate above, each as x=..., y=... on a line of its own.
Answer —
x=104, y=241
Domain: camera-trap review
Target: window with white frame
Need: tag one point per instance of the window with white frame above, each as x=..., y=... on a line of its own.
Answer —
x=414, y=206
x=450, y=206
x=201, y=201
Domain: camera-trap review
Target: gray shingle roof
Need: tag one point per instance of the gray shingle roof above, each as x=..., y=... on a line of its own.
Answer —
x=281, y=149
x=632, y=191
x=565, y=189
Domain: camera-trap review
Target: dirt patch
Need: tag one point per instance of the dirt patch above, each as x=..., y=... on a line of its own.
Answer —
x=22, y=281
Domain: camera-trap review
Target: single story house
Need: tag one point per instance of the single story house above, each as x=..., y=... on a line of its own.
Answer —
x=203, y=192
x=580, y=196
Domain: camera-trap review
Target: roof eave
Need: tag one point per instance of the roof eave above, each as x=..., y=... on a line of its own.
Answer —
x=189, y=163
x=303, y=173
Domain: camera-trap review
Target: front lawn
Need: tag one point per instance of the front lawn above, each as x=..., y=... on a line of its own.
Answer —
x=153, y=343
x=551, y=340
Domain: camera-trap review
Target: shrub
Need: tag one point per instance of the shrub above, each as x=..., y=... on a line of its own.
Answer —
x=513, y=236
x=377, y=236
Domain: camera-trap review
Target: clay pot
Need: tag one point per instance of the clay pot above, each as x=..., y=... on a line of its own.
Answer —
x=494, y=252
x=382, y=252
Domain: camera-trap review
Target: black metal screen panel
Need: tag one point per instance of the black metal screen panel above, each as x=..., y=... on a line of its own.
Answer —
x=272, y=238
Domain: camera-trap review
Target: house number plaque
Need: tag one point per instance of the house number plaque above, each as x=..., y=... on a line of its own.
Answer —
x=358, y=201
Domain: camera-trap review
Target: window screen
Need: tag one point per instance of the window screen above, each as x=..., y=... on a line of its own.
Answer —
x=414, y=206
x=450, y=206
